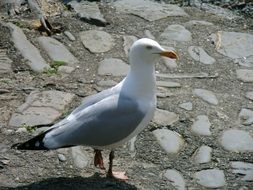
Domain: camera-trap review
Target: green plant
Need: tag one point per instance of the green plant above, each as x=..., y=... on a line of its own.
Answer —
x=56, y=64
x=19, y=24
x=50, y=71
x=54, y=67
x=29, y=129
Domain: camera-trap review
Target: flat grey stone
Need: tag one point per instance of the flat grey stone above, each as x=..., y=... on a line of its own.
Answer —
x=21, y=130
x=170, y=141
x=206, y=95
x=203, y=155
x=199, y=54
x=246, y=116
x=212, y=178
x=106, y=83
x=5, y=62
x=80, y=159
x=249, y=95
x=89, y=12
x=128, y=42
x=65, y=69
x=175, y=33
x=64, y=151
x=187, y=75
x=27, y=49
x=201, y=125
x=243, y=168
x=148, y=10
x=56, y=50
x=169, y=63
x=197, y=23
x=235, y=45
x=215, y=10
x=164, y=117
x=131, y=146
x=61, y=157
x=12, y=6
x=245, y=75
x=97, y=41
x=163, y=92
x=4, y=148
x=70, y=36
x=34, y=116
x=168, y=84
x=237, y=140
x=175, y=179
x=5, y=67
x=41, y=108
x=186, y=105
x=245, y=61
x=114, y=67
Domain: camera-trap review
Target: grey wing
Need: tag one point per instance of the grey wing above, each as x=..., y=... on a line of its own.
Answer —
x=101, y=124
x=93, y=99
x=87, y=102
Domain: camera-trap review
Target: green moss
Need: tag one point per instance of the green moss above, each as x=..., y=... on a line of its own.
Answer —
x=54, y=67
x=50, y=71
x=56, y=64
x=20, y=24
x=29, y=129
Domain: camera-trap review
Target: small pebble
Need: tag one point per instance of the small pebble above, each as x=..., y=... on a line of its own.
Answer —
x=70, y=36
x=186, y=105
x=61, y=157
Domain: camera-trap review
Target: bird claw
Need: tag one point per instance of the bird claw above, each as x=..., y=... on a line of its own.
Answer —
x=100, y=165
x=43, y=25
x=46, y=25
x=118, y=175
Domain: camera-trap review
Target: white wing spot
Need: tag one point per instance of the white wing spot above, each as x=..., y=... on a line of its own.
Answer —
x=37, y=144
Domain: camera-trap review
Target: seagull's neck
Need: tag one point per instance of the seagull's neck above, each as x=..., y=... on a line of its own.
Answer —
x=140, y=81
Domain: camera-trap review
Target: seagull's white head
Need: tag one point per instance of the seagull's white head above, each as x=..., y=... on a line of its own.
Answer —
x=148, y=51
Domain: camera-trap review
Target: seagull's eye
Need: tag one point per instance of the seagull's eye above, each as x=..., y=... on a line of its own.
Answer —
x=149, y=47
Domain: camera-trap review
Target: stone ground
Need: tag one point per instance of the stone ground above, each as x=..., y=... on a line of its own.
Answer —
x=201, y=136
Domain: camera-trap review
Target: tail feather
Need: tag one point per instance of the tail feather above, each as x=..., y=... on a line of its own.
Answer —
x=36, y=143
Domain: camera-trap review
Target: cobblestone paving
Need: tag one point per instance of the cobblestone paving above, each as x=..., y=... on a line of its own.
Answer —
x=201, y=136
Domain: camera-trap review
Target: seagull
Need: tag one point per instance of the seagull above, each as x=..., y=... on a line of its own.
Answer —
x=112, y=117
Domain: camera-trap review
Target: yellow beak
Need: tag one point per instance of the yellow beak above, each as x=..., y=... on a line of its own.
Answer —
x=169, y=54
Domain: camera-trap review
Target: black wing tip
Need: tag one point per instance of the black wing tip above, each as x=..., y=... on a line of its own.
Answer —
x=29, y=145
x=36, y=143
x=15, y=146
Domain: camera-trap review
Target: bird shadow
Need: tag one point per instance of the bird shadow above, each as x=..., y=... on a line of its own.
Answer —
x=94, y=182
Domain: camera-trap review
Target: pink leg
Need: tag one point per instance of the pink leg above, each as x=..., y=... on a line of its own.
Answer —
x=98, y=159
x=117, y=175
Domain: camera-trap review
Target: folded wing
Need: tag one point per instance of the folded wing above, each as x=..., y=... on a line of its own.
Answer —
x=101, y=124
